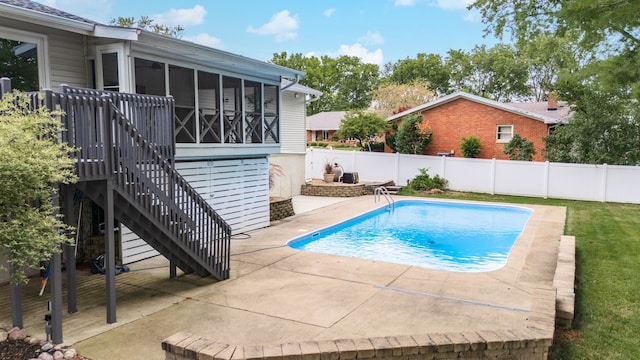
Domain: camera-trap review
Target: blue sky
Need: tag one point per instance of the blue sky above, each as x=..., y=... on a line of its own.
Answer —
x=377, y=31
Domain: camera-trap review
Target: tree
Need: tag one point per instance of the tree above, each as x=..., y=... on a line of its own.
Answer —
x=546, y=57
x=470, y=146
x=362, y=126
x=498, y=73
x=413, y=135
x=429, y=68
x=146, y=23
x=603, y=130
x=393, y=96
x=606, y=29
x=346, y=82
x=519, y=148
x=32, y=163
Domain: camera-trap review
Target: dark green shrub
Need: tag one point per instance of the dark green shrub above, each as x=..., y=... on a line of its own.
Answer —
x=313, y=143
x=424, y=182
x=377, y=146
x=519, y=148
x=470, y=146
x=322, y=144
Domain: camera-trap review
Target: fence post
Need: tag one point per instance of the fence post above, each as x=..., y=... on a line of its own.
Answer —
x=546, y=179
x=605, y=170
x=5, y=86
x=492, y=176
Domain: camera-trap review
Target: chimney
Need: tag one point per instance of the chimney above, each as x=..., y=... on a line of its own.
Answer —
x=552, y=102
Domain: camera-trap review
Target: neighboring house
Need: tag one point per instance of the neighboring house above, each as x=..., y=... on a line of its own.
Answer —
x=232, y=113
x=323, y=126
x=460, y=114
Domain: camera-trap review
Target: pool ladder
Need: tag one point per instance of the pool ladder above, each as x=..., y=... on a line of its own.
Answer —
x=382, y=191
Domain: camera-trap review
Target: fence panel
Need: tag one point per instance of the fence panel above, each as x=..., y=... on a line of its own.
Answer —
x=520, y=178
x=623, y=184
x=538, y=179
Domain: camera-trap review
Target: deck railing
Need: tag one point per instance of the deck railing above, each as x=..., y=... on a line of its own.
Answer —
x=140, y=164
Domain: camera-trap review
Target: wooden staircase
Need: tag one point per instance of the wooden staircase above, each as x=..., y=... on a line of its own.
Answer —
x=126, y=144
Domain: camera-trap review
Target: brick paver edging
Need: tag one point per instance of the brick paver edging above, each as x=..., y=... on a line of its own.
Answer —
x=530, y=343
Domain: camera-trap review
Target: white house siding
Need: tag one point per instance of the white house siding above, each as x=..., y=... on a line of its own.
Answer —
x=67, y=62
x=238, y=189
x=292, y=120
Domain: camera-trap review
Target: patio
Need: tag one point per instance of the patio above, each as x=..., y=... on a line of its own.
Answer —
x=280, y=295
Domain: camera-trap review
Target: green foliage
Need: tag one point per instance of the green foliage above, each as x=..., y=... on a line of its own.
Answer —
x=323, y=144
x=313, y=143
x=424, y=182
x=146, y=23
x=409, y=138
x=606, y=30
x=519, y=148
x=319, y=137
x=377, y=146
x=427, y=67
x=498, y=72
x=362, y=126
x=346, y=82
x=390, y=136
x=604, y=129
x=32, y=164
x=390, y=97
x=470, y=146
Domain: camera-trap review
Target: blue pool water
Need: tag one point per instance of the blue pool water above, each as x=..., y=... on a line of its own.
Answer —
x=439, y=235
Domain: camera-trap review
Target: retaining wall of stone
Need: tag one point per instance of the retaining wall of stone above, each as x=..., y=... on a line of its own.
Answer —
x=280, y=209
x=320, y=188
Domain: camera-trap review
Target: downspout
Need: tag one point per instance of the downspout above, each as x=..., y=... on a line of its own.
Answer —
x=293, y=83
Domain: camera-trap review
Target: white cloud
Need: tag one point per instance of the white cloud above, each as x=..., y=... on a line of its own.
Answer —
x=473, y=16
x=454, y=4
x=183, y=17
x=282, y=25
x=372, y=38
x=363, y=53
x=204, y=39
x=405, y=2
x=329, y=12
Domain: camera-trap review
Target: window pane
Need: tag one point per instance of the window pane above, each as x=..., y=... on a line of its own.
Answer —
x=209, y=107
x=253, y=112
x=182, y=88
x=504, y=132
x=150, y=77
x=110, y=72
x=271, y=114
x=18, y=61
x=232, y=110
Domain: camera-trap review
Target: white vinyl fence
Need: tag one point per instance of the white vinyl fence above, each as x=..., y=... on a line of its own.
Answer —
x=536, y=179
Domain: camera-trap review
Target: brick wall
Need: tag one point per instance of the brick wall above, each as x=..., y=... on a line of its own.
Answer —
x=530, y=343
x=452, y=121
x=319, y=188
x=280, y=209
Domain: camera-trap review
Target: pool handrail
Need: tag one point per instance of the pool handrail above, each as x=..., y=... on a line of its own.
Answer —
x=381, y=190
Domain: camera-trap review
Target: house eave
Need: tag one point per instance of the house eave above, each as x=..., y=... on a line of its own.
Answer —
x=462, y=95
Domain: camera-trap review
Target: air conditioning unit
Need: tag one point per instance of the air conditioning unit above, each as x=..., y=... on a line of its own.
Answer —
x=350, y=178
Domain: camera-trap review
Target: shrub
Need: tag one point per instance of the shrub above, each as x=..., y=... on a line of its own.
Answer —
x=313, y=143
x=519, y=148
x=322, y=144
x=319, y=137
x=424, y=182
x=470, y=146
x=377, y=146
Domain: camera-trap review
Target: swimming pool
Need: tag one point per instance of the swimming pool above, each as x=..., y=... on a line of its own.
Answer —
x=449, y=236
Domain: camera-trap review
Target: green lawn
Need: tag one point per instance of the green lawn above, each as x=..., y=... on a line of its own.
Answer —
x=607, y=320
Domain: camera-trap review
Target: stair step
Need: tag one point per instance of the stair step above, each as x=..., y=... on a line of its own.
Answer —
x=393, y=190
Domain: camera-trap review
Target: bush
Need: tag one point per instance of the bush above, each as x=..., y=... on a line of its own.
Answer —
x=313, y=143
x=424, y=182
x=322, y=144
x=319, y=137
x=377, y=146
x=519, y=148
x=470, y=146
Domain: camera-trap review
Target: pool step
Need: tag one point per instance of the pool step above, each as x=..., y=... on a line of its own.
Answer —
x=393, y=190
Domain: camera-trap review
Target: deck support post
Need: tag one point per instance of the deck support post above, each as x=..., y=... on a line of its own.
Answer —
x=172, y=270
x=16, y=301
x=110, y=254
x=55, y=279
x=70, y=250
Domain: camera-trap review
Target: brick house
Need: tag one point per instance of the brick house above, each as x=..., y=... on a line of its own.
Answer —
x=460, y=114
x=324, y=125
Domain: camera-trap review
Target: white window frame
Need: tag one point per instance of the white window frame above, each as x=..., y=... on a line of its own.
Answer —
x=42, y=51
x=501, y=133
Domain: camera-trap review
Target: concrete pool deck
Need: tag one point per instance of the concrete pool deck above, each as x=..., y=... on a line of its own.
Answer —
x=280, y=295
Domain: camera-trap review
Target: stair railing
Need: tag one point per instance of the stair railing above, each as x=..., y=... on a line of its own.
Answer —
x=383, y=191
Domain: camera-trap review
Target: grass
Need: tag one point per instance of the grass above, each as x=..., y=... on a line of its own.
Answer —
x=607, y=319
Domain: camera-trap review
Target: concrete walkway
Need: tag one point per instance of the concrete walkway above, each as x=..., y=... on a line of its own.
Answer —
x=277, y=294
